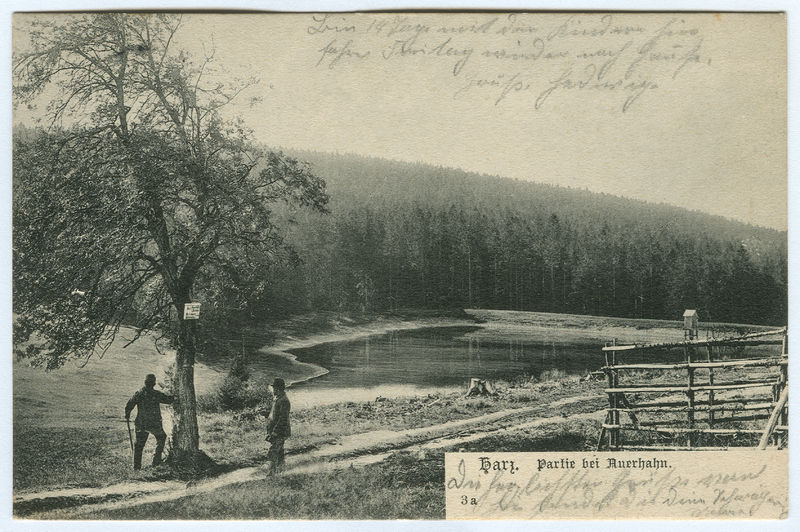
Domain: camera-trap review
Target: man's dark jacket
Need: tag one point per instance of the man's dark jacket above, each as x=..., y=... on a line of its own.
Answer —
x=278, y=425
x=148, y=413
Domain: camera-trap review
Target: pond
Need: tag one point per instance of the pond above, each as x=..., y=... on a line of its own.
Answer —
x=422, y=361
x=446, y=356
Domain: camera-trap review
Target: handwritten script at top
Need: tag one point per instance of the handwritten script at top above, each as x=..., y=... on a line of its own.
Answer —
x=536, y=57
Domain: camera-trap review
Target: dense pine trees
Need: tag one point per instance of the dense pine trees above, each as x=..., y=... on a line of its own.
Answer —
x=409, y=235
x=413, y=235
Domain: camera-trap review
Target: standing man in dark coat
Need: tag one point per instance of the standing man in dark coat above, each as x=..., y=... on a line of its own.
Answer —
x=148, y=419
x=278, y=428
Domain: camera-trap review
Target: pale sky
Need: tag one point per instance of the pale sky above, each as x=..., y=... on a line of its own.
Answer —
x=535, y=97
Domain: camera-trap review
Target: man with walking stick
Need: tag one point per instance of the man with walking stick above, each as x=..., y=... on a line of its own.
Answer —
x=148, y=419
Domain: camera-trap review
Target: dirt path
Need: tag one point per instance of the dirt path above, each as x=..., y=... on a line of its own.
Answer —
x=358, y=449
x=446, y=441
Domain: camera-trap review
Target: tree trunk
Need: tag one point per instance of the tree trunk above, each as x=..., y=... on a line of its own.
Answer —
x=469, y=278
x=185, y=435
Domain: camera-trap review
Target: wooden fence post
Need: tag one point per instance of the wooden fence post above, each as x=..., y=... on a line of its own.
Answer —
x=773, y=419
x=690, y=394
x=783, y=381
x=617, y=432
x=709, y=358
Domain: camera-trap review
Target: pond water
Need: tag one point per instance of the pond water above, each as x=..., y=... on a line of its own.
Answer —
x=429, y=360
x=446, y=356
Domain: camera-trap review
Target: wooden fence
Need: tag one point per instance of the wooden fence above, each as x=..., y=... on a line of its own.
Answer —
x=719, y=393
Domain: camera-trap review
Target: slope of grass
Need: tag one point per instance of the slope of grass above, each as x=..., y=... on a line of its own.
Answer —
x=403, y=487
x=407, y=485
x=69, y=457
x=49, y=457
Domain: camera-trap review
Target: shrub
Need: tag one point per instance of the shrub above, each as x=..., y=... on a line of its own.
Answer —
x=236, y=395
x=239, y=368
x=232, y=393
x=259, y=394
x=237, y=391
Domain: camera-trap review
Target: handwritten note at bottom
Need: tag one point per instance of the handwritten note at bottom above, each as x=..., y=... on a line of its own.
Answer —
x=732, y=484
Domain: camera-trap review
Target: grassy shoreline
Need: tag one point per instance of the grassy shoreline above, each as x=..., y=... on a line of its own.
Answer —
x=409, y=483
x=72, y=457
x=96, y=452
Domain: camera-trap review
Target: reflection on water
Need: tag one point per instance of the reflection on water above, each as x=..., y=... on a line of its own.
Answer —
x=414, y=362
x=446, y=356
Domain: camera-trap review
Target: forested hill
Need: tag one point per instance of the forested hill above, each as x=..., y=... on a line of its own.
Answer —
x=414, y=235
x=391, y=182
x=406, y=235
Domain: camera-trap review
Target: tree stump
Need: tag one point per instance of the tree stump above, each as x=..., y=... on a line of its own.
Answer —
x=480, y=387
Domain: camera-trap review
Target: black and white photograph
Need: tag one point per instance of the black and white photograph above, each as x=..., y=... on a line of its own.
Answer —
x=388, y=265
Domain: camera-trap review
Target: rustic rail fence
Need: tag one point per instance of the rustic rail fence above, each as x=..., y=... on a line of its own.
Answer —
x=718, y=394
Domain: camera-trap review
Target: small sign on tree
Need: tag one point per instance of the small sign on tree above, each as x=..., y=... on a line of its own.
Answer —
x=191, y=311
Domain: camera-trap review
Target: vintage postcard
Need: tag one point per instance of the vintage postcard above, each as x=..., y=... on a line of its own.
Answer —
x=400, y=265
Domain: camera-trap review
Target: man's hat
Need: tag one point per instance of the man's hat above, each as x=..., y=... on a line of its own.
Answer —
x=278, y=383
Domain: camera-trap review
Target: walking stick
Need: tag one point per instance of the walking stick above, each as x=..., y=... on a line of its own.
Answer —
x=130, y=437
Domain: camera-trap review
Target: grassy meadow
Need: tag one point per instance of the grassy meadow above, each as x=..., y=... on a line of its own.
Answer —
x=69, y=429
